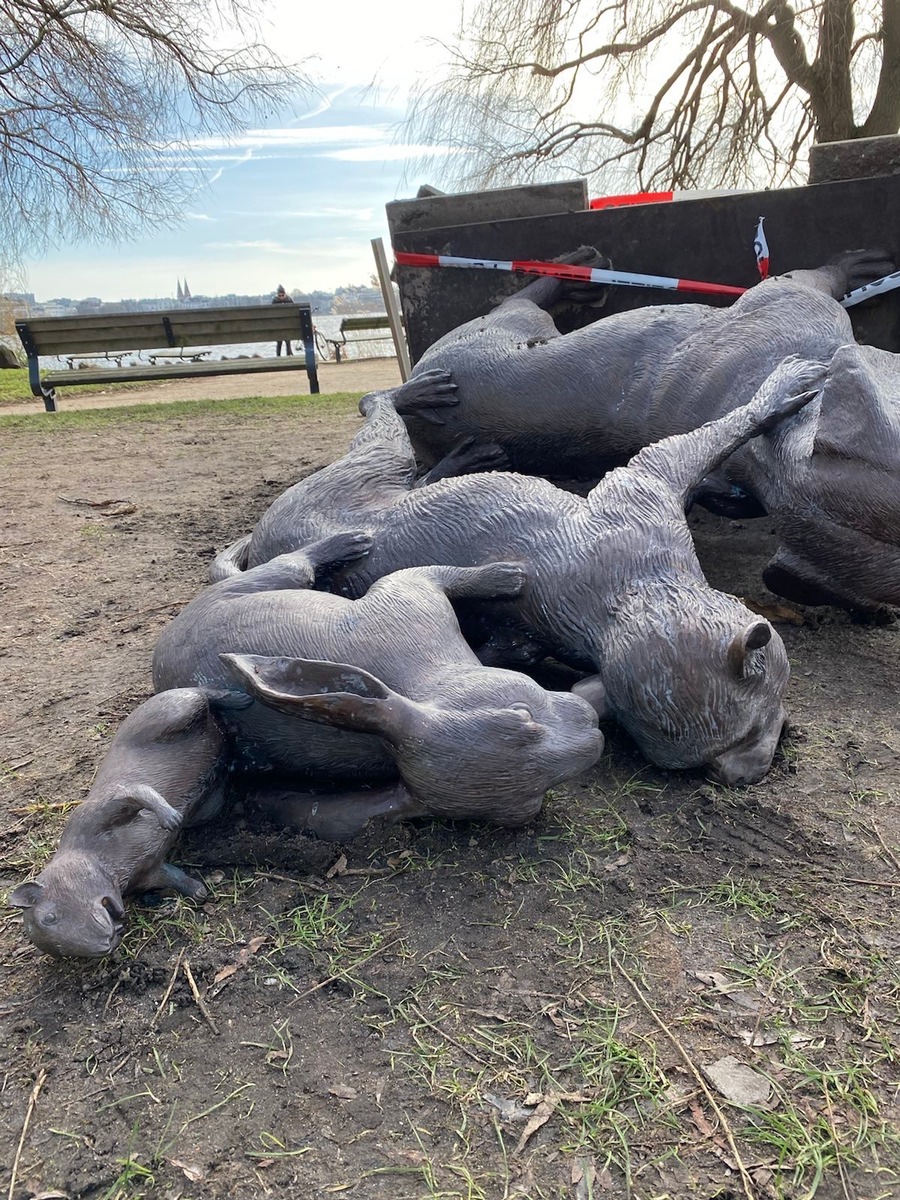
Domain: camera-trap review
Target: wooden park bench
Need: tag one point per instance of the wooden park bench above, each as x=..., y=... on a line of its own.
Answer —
x=179, y=330
x=366, y=326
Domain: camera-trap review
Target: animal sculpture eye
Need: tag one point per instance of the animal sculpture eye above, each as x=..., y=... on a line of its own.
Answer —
x=49, y=918
x=524, y=709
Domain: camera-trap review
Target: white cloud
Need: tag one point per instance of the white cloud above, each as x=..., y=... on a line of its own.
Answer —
x=387, y=152
x=293, y=138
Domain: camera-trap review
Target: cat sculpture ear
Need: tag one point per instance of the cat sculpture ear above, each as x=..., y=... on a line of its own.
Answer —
x=326, y=692
x=754, y=637
x=26, y=895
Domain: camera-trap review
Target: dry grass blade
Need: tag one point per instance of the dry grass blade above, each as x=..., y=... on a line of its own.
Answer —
x=746, y=1181
x=168, y=992
x=29, y=1112
x=201, y=1003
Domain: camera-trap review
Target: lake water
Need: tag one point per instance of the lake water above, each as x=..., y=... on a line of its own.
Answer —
x=326, y=324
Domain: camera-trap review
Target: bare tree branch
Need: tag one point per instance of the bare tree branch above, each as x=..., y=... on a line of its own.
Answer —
x=101, y=102
x=685, y=94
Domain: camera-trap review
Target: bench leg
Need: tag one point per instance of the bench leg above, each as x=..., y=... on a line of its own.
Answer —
x=49, y=395
x=309, y=349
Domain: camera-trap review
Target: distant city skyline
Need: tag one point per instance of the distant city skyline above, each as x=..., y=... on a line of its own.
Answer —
x=297, y=200
x=364, y=296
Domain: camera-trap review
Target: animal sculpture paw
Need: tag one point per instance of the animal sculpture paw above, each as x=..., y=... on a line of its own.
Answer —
x=792, y=384
x=431, y=389
x=332, y=552
x=170, y=818
x=503, y=579
x=468, y=457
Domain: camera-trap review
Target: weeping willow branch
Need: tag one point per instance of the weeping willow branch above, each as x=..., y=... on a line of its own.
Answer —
x=695, y=93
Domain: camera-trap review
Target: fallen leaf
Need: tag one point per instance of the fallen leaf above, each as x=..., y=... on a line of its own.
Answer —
x=774, y=612
x=509, y=1109
x=737, y=1082
x=491, y=1014
x=194, y=1173
x=243, y=957
x=717, y=1143
x=343, y=1092
x=728, y=988
x=337, y=868
x=537, y=1120
x=546, y=1104
x=756, y=1037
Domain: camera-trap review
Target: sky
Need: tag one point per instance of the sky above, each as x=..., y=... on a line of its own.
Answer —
x=297, y=202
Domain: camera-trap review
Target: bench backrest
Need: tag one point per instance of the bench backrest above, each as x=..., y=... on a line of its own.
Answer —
x=375, y=322
x=154, y=330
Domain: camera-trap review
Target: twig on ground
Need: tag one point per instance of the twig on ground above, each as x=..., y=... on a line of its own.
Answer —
x=303, y=883
x=872, y=882
x=886, y=848
x=29, y=1112
x=343, y=974
x=109, y=998
x=201, y=1003
x=143, y=612
x=168, y=992
x=746, y=1181
x=452, y=1040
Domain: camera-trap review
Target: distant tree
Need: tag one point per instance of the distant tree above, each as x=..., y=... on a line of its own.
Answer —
x=684, y=93
x=100, y=99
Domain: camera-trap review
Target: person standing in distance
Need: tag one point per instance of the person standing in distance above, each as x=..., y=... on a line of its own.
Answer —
x=281, y=297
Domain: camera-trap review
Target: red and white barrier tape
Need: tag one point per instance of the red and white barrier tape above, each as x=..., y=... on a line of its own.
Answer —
x=887, y=283
x=568, y=271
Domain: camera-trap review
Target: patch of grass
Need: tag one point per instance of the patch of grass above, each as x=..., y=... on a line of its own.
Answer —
x=828, y=1121
x=131, y=1172
x=337, y=404
x=279, y=1051
x=172, y=922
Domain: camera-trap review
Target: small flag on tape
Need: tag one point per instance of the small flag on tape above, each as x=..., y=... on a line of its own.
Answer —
x=761, y=248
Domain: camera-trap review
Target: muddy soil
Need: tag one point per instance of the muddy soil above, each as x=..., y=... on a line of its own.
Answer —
x=435, y=1010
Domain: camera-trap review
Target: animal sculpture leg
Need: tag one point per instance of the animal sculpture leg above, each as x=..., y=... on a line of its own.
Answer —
x=300, y=568
x=684, y=460
x=335, y=817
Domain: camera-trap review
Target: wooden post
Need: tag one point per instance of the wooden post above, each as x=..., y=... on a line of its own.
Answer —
x=392, y=308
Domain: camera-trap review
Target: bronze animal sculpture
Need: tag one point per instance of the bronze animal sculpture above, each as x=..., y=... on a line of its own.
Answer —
x=165, y=768
x=284, y=527
x=574, y=405
x=613, y=583
x=353, y=693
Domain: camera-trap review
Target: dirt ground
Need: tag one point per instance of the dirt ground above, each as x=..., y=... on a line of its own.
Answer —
x=661, y=989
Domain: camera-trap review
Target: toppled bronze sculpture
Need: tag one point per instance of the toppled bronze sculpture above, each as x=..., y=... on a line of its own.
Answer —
x=165, y=768
x=613, y=584
x=357, y=693
x=574, y=405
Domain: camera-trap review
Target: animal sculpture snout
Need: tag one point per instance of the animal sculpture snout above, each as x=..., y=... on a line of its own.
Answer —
x=750, y=760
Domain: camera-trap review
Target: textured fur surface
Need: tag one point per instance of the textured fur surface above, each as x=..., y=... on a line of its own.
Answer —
x=573, y=406
x=165, y=768
x=613, y=584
